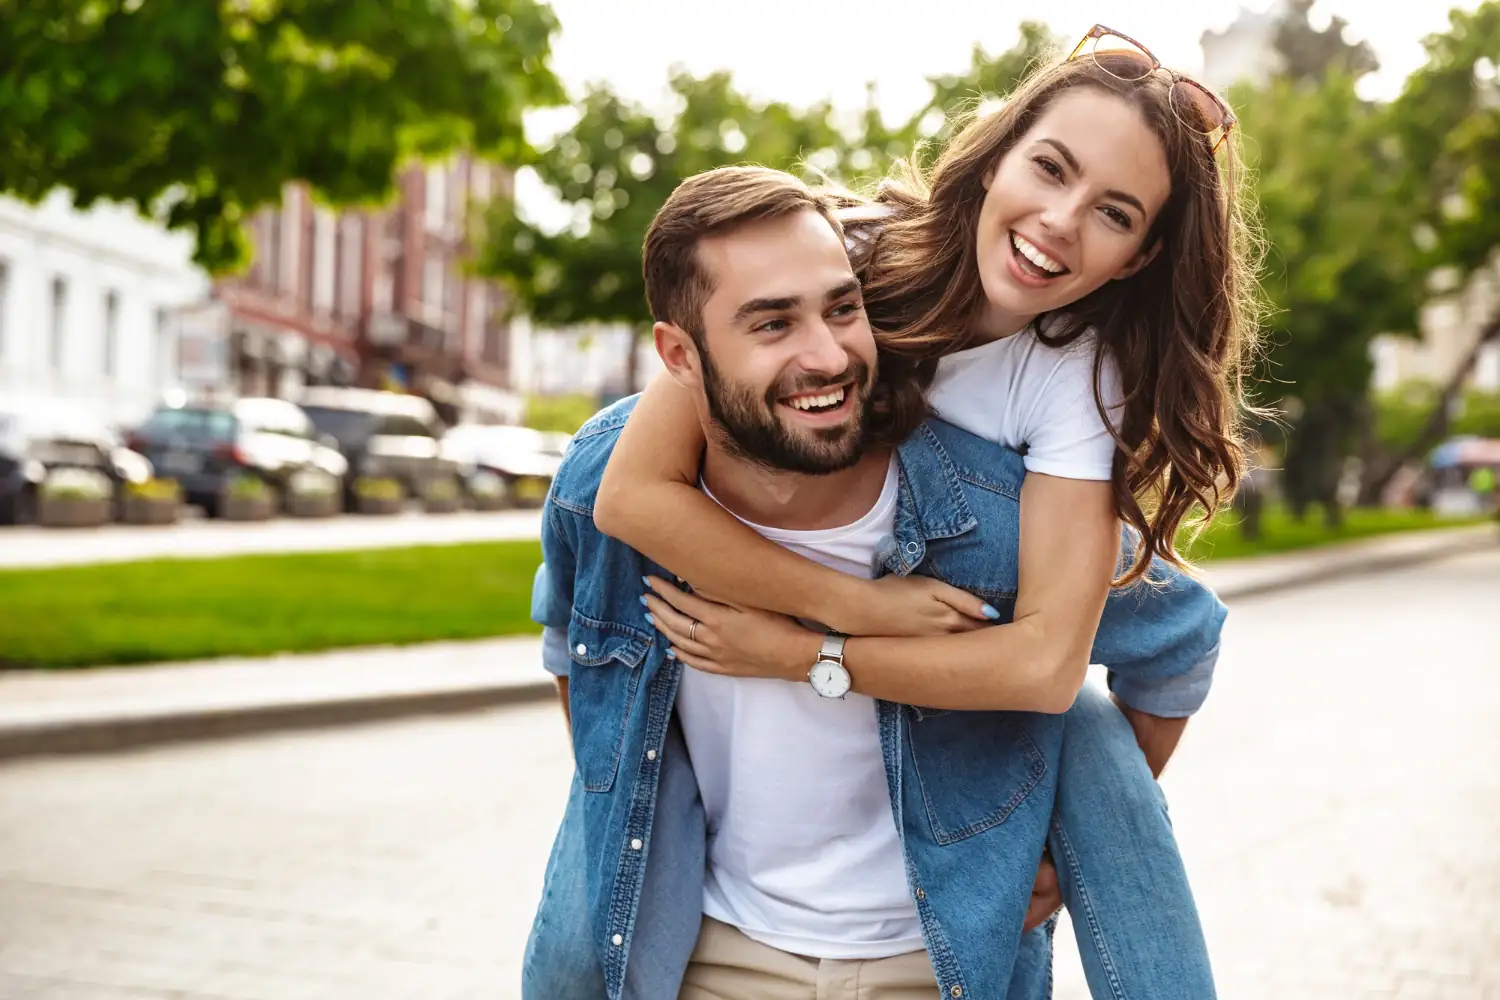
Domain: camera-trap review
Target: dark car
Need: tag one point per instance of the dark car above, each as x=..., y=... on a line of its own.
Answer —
x=206, y=448
x=43, y=439
x=384, y=435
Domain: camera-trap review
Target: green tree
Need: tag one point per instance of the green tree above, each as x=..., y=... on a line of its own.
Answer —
x=203, y=109
x=1447, y=122
x=1341, y=266
x=613, y=169
x=617, y=164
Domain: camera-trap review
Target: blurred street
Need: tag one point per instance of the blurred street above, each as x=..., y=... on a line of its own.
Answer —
x=202, y=538
x=1337, y=801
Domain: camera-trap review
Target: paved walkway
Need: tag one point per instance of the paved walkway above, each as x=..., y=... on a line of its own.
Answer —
x=1337, y=801
x=200, y=539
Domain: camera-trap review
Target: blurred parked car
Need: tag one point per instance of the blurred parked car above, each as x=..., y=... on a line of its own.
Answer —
x=205, y=448
x=43, y=440
x=522, y=459
x=383, y=435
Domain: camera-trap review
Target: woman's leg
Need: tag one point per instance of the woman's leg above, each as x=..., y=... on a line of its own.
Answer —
x=1120, y=870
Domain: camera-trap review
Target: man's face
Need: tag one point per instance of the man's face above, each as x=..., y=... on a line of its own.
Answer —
x=788, y=357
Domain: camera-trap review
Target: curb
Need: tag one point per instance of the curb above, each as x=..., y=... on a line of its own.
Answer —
x=89, y=736
x=136, y=731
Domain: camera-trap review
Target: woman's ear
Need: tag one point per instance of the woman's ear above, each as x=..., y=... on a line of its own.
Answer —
x=1143, y=257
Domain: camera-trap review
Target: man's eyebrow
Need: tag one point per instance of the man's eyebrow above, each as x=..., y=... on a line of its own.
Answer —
x=839, y=291
x=1067, y=154
x=754, y=306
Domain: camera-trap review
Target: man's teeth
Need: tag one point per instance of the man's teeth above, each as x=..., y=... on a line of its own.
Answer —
x=817, y=402
x=1031, y=253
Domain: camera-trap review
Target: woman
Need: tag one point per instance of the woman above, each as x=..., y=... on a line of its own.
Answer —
x=1072, y=280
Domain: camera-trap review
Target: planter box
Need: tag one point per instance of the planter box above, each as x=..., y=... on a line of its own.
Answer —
x=148, y=510
x=442, y=505
x=247, y=508
x=493, y=502
x=74, y=512
x=313, y=505
x=379, y=505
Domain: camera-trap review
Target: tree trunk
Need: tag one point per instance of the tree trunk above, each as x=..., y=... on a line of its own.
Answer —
x=1436, y=427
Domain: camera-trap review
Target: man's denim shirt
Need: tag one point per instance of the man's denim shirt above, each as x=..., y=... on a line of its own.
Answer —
x=972, y=792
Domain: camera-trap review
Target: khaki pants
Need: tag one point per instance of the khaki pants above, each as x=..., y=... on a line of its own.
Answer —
x=727, y=965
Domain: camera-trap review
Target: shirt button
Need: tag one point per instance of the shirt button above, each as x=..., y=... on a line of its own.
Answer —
x=617, y=940
x=911, y=548
x=921, y=893
x=581, y=649
x=636, y=845
x=650, y=754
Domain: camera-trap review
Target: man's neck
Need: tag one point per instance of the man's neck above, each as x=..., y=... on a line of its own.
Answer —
x=794, y=501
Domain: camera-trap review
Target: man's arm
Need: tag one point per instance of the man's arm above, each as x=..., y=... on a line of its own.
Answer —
x=552, y=601
x=562, y=696
x=1157, y=736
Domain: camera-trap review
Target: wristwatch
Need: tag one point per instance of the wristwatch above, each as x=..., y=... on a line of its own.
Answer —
x=828, y=676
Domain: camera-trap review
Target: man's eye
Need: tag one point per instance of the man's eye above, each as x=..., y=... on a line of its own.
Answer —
x=772, y=326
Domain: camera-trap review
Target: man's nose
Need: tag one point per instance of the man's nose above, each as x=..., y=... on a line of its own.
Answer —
x=822, y=352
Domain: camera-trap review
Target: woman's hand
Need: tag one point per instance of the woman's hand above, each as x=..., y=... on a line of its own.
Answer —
x=914, y=606
x=728, y=639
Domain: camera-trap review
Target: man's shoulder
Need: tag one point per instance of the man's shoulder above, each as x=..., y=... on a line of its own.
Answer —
x=577, y=481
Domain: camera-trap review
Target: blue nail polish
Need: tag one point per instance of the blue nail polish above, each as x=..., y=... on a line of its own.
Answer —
x=649, y=619
x=990, y=612
x=671, y=654
x=643, y=599
x=646, y=580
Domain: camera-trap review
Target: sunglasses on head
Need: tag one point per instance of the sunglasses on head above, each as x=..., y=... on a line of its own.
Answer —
x=1124, y=58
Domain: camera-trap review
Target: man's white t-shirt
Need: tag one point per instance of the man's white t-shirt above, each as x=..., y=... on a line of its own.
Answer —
x=803, y=851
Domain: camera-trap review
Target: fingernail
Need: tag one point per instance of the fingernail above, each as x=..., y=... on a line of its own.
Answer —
x=646, y=580
x=643, y=599
x=649, y=619
x=671, y=654
x=990, y=612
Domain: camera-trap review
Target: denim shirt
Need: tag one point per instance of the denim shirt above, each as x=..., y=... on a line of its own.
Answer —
x=971, y=792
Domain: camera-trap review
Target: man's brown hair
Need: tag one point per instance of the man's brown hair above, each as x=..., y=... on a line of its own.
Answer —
x=709, y=204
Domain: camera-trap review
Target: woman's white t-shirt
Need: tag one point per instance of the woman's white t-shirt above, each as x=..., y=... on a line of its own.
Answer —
x=1018, y=392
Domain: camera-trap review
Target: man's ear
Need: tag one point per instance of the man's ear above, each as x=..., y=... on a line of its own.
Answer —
x=1145, y=256
x=679, y=353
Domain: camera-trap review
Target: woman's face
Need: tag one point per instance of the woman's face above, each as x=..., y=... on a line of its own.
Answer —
x=1068, y=208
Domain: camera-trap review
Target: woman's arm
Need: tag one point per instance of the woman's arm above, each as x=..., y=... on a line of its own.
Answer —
x=649, y=499
x=1070, y=549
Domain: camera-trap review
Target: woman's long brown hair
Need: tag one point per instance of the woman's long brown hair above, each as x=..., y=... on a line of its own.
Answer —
x=1180, y=330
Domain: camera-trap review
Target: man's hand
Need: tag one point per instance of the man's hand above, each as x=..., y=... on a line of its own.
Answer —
x=1157, y=736
x=1046, y=895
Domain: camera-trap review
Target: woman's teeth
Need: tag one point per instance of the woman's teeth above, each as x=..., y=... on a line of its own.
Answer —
x=822, y=402
x=1031, y=253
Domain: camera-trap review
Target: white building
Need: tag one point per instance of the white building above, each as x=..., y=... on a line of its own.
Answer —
x=1449, y=326
x=1244, y=51
x=88, y=307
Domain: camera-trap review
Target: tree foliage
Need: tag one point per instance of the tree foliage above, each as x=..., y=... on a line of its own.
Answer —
x=203, y=109
x=620, y=160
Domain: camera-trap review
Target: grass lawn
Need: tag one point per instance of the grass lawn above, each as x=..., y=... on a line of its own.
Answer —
x=158, y=610
x=1279, y=533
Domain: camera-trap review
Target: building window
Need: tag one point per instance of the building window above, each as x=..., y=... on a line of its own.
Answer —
x=111, y=332
x=432, y=282
x=273, y=250
x=351, y=266
x=58, y=325
x=165, y=364
x=4, y=301
x=437, y=196
x=325, y=253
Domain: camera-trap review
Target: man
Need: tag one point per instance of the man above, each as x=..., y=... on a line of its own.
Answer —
x=951, y=808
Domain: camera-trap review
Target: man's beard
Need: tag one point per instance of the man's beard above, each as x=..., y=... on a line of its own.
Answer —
x=753, y=432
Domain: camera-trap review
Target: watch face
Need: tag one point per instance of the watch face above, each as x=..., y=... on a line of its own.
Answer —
x=829, y=679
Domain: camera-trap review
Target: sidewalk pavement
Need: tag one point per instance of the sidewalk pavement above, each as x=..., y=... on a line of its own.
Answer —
x=24, y=548
x=97, y=710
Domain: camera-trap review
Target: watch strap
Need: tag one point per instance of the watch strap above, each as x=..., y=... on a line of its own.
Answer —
x=833, y=647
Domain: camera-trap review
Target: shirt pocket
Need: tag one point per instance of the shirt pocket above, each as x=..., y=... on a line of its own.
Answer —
x=602, y=688
x=973, y=769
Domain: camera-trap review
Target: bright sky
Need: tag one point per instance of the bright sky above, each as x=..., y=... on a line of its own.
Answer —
x=802, y=51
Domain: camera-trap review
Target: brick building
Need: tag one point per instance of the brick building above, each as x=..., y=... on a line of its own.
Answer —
x=375, y=297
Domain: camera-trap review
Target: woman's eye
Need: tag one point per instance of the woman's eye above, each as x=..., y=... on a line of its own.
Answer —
x=1049, y=166
x=1116, y=216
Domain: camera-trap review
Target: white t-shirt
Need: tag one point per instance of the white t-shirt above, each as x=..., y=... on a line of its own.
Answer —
x=803, y=852
x=1019, y=391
